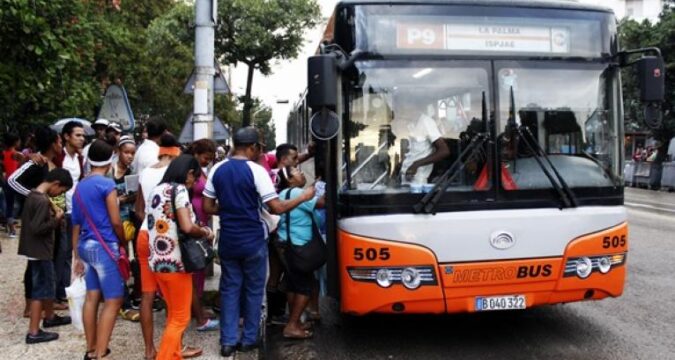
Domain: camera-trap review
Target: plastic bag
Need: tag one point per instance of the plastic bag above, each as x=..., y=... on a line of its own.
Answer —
x=76, y=293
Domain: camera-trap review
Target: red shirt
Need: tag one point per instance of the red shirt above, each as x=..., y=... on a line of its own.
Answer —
x=9, y=162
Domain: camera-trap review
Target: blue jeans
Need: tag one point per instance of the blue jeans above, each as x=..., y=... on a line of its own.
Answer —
x=101, y=271
x=242, y=282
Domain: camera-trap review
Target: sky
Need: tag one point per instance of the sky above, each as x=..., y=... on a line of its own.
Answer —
x=289, y=78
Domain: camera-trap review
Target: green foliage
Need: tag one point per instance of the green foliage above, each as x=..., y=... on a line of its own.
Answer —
x=60, y=55
x=48, y=49
x=639, y=35
x=255, y=32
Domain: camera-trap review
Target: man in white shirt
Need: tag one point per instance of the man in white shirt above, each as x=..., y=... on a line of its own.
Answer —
x=147, y=153
x=73, y=137
x=426, y=145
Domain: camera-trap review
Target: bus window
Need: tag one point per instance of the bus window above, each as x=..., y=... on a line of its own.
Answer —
x=408, y=121
x=565, y=109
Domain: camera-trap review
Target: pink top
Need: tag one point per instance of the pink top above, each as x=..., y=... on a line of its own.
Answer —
x=197, y=200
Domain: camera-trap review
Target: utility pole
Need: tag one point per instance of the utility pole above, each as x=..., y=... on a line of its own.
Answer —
x=205, y=18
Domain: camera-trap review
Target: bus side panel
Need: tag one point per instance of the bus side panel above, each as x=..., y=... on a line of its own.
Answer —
x=359, y=297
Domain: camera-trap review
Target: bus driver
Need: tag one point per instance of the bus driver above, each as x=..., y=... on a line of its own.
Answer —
x=426, y=145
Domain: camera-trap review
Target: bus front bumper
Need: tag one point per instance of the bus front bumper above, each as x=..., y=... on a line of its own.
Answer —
x=588, y=270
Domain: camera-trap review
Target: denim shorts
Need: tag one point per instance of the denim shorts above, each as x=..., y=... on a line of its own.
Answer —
x=43, y=282
x=101, y=272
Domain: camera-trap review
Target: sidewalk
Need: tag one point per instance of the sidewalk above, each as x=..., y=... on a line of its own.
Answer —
x=126, y=343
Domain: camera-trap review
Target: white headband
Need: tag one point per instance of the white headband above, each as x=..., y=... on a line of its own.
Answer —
x=100, y=163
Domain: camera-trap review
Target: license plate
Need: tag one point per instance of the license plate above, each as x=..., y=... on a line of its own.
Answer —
x=509, y=302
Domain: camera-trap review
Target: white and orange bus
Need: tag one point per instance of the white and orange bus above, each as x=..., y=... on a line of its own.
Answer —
x=511, y=114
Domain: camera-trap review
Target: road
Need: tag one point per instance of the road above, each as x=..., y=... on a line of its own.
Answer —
x=638, y=325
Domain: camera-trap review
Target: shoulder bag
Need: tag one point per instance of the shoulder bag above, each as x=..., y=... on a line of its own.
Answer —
x=312, y=255
x=123, y=264
x=196, y=254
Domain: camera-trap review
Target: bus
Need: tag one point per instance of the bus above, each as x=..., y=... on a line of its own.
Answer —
x=473, y=153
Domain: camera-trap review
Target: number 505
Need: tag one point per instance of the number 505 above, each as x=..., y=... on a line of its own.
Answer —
x=371, y=254
x=613, y=241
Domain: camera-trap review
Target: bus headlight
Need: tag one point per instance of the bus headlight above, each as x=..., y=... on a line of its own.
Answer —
x=411, y=278
x=584, y=267
x=604, y=264
x=383, y=278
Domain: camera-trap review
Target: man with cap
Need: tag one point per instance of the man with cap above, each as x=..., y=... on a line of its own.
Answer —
x=113, y=133
x=235, y=190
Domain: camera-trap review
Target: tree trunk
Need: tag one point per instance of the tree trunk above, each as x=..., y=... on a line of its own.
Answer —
x=248, y=103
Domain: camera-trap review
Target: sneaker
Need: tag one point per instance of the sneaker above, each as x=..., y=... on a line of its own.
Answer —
x=41, y=336
x=12, y=235
x=56, y=321
x=136, y=304
x=246, y=348
x=227, y=351
x=209, y=325
x=157, y=305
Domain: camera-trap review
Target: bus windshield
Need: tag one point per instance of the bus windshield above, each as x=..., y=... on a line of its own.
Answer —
x=565, y=111
x=401, y=113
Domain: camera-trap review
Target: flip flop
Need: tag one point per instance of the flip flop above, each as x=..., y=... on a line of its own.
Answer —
x=87, y=357
x=314, y=315
x=130, y=314
x=306, y=334
x=188, y=352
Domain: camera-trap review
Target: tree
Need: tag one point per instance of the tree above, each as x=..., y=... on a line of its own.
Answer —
x=255, y=32
x=48, y=49
x=264, y=122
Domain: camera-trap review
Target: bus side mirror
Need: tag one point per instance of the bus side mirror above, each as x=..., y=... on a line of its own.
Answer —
x=322, y=81
x=651, y=77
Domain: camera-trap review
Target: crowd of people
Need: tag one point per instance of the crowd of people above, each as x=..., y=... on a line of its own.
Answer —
x=648, y=153
x=84, y=207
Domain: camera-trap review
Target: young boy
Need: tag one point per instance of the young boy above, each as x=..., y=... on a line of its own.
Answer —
x=39, y=219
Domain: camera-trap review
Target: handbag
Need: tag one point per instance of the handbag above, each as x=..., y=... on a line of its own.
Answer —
x=196, y=254
x=310, y=256
x=271, y=220
x=123, y=264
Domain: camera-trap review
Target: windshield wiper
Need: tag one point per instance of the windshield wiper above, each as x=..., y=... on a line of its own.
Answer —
x=429, y=201
x=566, y=195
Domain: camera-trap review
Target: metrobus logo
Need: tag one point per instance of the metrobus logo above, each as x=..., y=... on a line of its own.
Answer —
x=500, y=273
x=420, y=36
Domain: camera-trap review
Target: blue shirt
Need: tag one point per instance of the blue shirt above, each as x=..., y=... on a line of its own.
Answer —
x=241, y=187
x=92, y=192
x=301, y=219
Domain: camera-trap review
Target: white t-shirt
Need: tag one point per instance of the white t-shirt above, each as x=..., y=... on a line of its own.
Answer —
x=148, y=180
x=72, y=164
x=421, y=135
x=146, y=155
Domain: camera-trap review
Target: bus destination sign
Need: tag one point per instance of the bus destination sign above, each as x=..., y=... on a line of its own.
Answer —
x=490, y=38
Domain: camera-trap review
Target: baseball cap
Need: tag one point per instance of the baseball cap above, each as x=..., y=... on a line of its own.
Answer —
x=115, y=126
x=101, y=122
x=245, y=136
